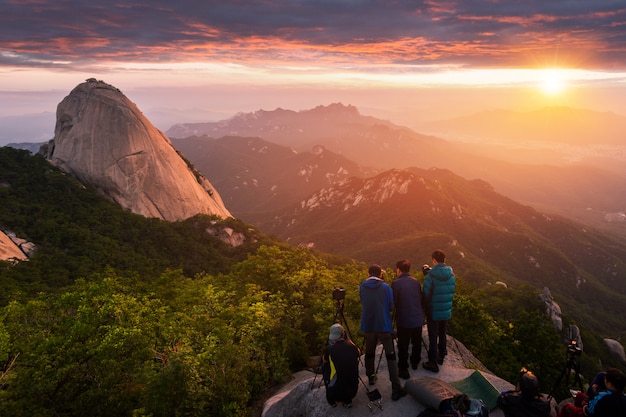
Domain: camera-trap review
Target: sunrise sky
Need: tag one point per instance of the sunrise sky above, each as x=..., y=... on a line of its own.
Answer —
x=405, y=61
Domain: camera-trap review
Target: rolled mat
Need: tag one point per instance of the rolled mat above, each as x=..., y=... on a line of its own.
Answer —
x=430, y=391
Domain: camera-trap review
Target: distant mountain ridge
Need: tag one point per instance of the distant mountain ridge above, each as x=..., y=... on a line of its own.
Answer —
x=366, y=140
x=256, y=176
x=285, y=127
x=585, y=189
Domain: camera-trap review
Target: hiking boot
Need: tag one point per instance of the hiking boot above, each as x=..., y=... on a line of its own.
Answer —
x=440, y=358
x=372, y=379
x=347, y=405
x=414, y=365
x=397, y=394
x=404, y=373
x=431, y=366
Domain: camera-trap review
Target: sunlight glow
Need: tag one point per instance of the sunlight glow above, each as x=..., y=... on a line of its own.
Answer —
x=549, y=81
x=553, y=82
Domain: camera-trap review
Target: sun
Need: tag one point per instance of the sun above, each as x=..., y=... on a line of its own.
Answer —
x=552, y=82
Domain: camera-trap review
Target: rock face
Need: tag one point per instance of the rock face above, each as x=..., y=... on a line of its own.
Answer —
x=103, y=139
x=552, y=308
x=9, y=249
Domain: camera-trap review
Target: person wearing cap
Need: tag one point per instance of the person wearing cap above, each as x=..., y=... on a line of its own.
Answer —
x=526, y=401
x=376, y=323
x=341, y=367
x=407, y=296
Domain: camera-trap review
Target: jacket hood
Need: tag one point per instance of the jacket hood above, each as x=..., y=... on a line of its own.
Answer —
x=441, y=272
x=373, y=283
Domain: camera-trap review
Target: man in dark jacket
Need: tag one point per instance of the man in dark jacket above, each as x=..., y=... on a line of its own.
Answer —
x=526, y=400
x=341, y=367
x=407, y=296
x=377, y=306
x=439, y=287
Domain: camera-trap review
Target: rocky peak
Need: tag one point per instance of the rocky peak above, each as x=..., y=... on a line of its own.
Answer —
x=103, y=139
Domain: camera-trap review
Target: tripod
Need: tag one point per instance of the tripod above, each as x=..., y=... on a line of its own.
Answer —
x=374, y=396
x=572, y=363
x=339, y=297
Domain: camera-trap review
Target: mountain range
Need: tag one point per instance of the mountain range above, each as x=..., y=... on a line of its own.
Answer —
x=181, y=280
x=335, y=181
x=408, y=213
x=550, y=179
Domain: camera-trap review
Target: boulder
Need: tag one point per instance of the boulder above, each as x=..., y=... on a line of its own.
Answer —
x=103, y=139
x=616, y=349
x=305, y=395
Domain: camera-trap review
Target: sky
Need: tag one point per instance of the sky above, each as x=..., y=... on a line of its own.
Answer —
x=405, y=61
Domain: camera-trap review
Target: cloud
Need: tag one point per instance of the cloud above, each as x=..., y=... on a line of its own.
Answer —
x=335, y=33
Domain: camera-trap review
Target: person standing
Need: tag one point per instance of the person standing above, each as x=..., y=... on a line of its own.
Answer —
x=341, y=367
x=439, y=288
x=376, y=308
x=407, y=296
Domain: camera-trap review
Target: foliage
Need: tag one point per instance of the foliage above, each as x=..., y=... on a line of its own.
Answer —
x=176, y=346
x=121, y=315
x=77, y=233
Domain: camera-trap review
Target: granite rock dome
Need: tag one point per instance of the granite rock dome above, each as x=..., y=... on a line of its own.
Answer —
x=103, y=139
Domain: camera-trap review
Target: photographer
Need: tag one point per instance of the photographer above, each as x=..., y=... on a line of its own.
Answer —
x=526, y=401
x=341, y=367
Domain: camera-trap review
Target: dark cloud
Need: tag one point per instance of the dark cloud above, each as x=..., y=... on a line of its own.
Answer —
x=485, y=33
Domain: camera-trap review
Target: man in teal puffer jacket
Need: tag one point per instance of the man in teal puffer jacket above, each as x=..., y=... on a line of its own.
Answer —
x=439, y=287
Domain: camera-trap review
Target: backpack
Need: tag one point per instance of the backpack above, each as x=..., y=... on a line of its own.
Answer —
x=429, y=412
x=463, y=406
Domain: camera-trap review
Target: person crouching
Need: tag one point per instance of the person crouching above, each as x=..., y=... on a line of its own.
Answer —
x=341, y=367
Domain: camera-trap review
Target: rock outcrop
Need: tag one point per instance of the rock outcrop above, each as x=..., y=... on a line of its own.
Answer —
x=616, y=349
x=305, y=394
x=10, y=249
x=552, y=308
x=103, y=139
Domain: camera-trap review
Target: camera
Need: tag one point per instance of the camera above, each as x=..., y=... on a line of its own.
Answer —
x=339, y=294
x=425, y=269
x=573, y=349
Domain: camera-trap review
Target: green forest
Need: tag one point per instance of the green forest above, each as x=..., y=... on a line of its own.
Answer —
x=116, y=314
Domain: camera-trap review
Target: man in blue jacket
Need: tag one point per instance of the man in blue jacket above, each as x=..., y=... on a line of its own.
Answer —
x=407, y=296
x=439, y=287
x=377, y=307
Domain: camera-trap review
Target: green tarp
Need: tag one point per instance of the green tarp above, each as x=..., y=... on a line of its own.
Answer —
x=477, y=386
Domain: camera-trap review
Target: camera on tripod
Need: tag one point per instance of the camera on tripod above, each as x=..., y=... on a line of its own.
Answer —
x=573, y=349
x=339, y=294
